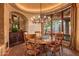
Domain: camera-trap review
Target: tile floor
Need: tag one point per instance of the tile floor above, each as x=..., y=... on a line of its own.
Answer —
x=19, y=50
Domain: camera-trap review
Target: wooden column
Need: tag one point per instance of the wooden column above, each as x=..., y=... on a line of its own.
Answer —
x=1, y=24
x=51, y=28
x=62, y=21
x=42, y=28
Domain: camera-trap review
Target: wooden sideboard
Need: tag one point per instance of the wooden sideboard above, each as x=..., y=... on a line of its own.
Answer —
x=15, y=38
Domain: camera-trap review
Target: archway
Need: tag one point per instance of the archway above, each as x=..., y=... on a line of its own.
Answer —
x=17, y=26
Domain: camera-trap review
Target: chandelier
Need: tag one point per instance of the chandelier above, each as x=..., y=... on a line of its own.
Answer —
x=40, y=18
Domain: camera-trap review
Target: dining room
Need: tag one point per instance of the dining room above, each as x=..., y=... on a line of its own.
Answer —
x=40, y=29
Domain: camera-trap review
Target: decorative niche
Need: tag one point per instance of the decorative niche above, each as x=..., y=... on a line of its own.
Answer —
x=17, y=22
x=14, y=23
x=16, y=27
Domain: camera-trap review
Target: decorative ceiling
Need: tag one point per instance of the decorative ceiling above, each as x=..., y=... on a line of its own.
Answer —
x=39, y=7
x=36, y=6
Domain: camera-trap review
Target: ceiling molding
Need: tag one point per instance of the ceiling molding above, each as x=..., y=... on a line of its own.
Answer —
x=36, y=11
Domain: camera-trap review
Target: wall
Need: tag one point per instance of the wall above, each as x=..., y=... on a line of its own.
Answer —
x=33, y=27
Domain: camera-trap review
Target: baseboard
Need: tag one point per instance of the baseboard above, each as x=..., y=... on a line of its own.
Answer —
x=2, y=50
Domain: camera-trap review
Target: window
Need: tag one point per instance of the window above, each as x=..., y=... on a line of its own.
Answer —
x=67, y=24
x=56, y=23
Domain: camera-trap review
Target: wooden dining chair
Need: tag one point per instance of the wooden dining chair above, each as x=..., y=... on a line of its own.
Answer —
x=55, y=46
x=31, y=49
x=31, y=46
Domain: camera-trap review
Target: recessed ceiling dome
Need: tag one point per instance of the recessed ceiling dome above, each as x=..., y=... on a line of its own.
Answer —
x=37, y=7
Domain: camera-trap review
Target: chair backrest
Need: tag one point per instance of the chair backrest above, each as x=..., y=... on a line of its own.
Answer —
x=59, y=35
x=59, y=38
x=30, y=36
x=38, y=34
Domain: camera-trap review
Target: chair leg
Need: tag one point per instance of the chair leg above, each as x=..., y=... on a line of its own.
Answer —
x=54, y=54
x=61, y=51
x=25, y=53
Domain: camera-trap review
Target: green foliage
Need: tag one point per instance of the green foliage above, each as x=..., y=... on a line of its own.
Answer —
x=15, y=27
x=14, y=30
x=47, y=25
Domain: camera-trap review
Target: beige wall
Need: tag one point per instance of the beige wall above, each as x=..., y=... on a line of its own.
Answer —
x=33, y=27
